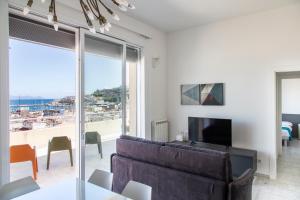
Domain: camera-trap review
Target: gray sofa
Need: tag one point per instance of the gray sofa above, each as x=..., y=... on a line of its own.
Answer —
x=176, y=172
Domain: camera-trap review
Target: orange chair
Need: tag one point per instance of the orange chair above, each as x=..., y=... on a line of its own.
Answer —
x=22, y=153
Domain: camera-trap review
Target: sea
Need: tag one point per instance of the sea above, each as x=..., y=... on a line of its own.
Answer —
x=32, y=105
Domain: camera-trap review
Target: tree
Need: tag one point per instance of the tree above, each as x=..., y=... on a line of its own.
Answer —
x=98, y=93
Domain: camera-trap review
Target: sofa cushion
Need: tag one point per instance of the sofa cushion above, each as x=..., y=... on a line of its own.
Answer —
x=166, y=183
x=225, y=157
x=212, y=164
x=139, y=149
x=207, y=163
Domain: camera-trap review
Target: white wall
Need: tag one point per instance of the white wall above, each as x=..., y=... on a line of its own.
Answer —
x=243, y=53
x=126, y=28
x=291, y=96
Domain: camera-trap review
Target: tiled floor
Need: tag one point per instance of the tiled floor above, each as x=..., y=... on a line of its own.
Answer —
x=287, y=185
x=60, y=167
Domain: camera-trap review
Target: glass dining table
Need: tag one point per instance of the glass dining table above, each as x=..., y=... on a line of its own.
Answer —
x=73, y=189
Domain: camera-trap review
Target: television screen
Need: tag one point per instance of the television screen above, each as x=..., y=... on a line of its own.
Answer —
x=214, y=131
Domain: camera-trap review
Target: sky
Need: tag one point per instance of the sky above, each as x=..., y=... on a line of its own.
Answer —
x=44, y=71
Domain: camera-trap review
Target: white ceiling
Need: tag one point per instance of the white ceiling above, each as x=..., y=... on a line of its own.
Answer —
x=171, y=15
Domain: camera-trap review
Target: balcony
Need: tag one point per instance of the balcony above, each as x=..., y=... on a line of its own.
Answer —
x=60, y=167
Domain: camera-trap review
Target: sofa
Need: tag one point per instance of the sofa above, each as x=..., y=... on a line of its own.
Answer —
x=176, y=172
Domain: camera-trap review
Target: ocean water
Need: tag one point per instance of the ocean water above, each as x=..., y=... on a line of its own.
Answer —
x=17, y=102
x=32, y=104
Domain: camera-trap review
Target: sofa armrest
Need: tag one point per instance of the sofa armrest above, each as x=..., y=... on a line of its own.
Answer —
x=111, y=165
x=241, y=188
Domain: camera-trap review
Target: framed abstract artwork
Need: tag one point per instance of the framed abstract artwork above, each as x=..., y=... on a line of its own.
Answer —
x=190, y=94
x=212, y=94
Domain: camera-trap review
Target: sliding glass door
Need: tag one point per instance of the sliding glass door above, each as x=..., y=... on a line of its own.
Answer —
x=132, y=90
x=42, y=69
x=104, y=104
x=108, y=98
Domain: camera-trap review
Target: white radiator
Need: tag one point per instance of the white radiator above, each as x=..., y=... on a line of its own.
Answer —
x=160, y=131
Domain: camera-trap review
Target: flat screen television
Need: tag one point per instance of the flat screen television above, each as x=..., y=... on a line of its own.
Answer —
x=214, y=131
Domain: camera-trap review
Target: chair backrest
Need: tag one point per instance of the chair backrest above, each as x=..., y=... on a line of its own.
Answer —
x=92, y=137
x=21, y=153
x=101, y=179
x=138, y=191
x=60, y=143
x=18, y=188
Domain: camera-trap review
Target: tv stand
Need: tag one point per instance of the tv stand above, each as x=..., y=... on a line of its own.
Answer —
x=241, y=159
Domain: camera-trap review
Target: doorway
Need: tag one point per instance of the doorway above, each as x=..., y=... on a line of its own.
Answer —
x=287, y=125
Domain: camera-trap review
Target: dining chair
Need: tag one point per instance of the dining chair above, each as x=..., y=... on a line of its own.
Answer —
x=94, y=138
x=18, y=188
x=138, y=191
x=23, y=153
x=59, y=144
x=102, y=179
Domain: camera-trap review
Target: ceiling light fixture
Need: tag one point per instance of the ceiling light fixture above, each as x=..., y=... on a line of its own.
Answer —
x=91, y=12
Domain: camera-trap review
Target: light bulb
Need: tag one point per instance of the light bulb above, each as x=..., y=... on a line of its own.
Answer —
x=92, y=29
x=123, y=8
x=116, y=17
x=90, y=15
x=101, y=29
x=50, y=17
x=43, y=1
x=131, y=6
x=55, y=26
x=26, y=10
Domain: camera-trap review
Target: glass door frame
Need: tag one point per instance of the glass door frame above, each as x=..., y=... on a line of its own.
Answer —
x=138, y=82
x=79, y=51
x=82, y=34
x=6, y=164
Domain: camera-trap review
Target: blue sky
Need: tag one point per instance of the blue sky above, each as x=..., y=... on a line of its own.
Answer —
x=43, y=71
x=102, y=73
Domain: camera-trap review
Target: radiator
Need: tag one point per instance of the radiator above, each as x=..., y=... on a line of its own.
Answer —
x=160, y=131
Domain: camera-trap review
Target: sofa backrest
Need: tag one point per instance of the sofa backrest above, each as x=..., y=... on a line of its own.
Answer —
x=206, y=163
x=166, y=183
x=139, y=149
x=223, y=158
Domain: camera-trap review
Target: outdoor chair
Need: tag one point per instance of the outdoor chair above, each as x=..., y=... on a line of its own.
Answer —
x=18, y=188
x=23, y=153
x=135, y=190
x=59, y=144
x=102, y=179
x=94, y=138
